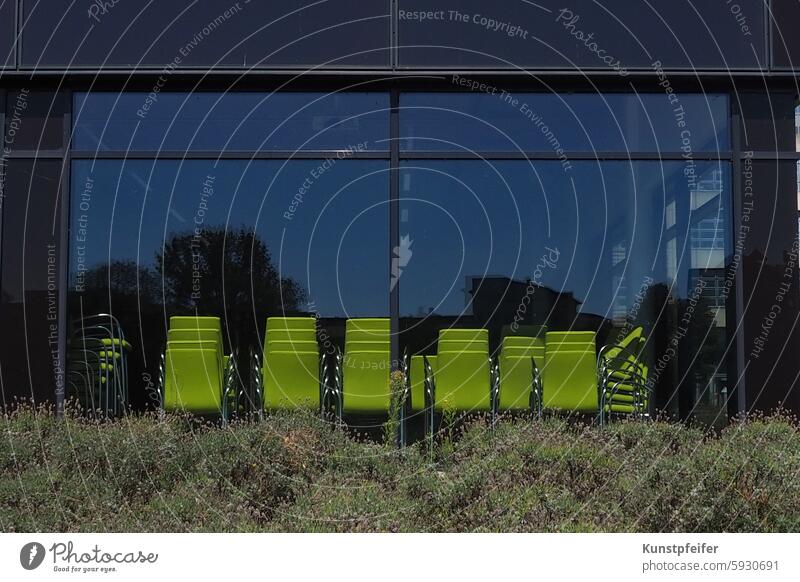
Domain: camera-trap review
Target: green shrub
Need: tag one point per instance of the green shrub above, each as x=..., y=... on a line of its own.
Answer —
x=294, y=472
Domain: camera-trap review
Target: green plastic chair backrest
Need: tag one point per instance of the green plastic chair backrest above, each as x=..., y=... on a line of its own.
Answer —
x=536, y=352
x=179, y=334
x=557, y=337
x=463, y=381
x=193, y=378
x=368, y=324
x=509, y=331
x=513, y=341
x=290, y=373
x=417, y=373
x=306, y=346
x=516, y=370
x=365, y=378
x=462, y=345
x=291, y=335
x=366, y=366
x=367, y=346
x=194, y=322
x=461, y=334
x=516, y=376
x=463, y=376
x=297, y=323
x=291, y=379
x=569, y=376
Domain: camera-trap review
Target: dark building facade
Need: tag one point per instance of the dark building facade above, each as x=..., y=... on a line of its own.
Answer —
x=594, y=165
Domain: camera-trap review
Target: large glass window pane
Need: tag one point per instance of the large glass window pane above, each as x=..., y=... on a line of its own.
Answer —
x=605, y=247
x=231, y=121
x=242, y=240
x=554, y=123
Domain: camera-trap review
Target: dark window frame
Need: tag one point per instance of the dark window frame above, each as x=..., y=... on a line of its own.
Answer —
x=395, y=156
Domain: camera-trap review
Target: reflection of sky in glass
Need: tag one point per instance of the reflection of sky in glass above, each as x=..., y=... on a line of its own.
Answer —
x=335, y=244
x=613, y=221
x=544, y=122
x=231, y=121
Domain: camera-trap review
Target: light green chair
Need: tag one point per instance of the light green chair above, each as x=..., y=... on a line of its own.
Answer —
x=569, y=375
x=290, y=372
x=364, y=370
x=195, y=375
x=520, y=384
x=464, y=379
x=623, y=376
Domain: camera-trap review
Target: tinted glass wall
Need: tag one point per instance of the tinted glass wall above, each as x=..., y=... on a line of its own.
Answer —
x=572, y=211
x=243, y=238
x=603, y=245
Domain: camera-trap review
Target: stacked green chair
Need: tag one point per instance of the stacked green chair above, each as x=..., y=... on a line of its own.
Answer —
x=363, y=371
x=622, y=377
x=464, y=379
x=520, y=381
x=569, y=374
x=290, y=372
x=97, y=370
x=196, y=376
x=364, y=368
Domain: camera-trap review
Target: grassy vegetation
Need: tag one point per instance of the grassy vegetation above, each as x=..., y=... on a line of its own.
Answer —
x=293, y=473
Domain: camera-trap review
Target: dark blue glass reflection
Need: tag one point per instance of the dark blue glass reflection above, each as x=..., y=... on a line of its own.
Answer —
x=231, y=121
x=240, y=240
x=600, y=247
x=552, y=123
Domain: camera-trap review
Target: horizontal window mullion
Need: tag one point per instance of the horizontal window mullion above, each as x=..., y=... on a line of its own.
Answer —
x=230, y=155
x=436, y=155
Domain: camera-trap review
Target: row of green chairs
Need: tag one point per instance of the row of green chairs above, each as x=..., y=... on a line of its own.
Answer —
x=195, y=374
x=553, y=370
x=533, y=371
x=97, y=373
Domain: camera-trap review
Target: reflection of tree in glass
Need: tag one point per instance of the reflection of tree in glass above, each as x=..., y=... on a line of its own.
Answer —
x=229, y=273
x=225, y=273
